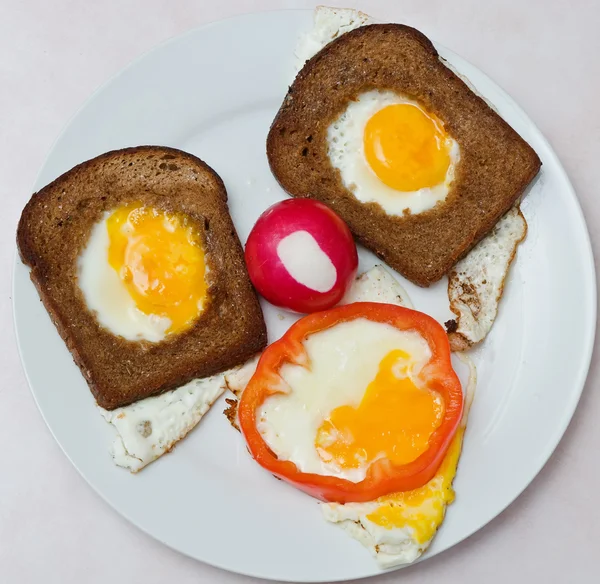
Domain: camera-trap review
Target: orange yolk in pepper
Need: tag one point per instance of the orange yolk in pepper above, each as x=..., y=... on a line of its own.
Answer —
x=406, y=147
x=160, y=258
x=394, y=419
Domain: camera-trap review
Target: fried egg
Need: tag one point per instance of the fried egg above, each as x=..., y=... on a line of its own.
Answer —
x=390, y=151
x=361, y=399
x=399, y=527
x=143, y=273
x=388, y=148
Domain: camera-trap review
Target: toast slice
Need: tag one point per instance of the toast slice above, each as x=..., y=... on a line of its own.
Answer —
x=495, y=166
x=55, y=227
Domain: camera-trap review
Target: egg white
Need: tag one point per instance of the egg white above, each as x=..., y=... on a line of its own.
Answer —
x=344, y=359
x=146, y=429
x=391, y=547
x=476, y=283
x=346, y=153
x=329, y=23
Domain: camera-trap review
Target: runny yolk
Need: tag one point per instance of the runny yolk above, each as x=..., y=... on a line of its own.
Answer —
x=406, y=147
x=394, y=420
x=160, y=259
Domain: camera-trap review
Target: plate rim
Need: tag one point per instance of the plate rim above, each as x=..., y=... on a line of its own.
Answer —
x=589, y=274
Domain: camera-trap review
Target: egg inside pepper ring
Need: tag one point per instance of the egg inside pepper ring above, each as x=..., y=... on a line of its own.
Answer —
x=384, y=474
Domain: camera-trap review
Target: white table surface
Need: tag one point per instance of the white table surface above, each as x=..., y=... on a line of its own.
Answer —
x=53, y=54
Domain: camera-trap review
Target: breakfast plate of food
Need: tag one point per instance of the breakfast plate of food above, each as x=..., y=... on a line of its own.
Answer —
x=312, y=247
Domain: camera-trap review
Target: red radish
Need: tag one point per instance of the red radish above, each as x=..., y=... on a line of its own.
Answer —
x=301, y=255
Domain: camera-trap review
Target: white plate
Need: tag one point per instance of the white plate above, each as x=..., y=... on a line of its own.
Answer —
x=214, y=92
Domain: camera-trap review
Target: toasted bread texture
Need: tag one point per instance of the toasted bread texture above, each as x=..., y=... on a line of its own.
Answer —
x=495, y=166
x=54, y=228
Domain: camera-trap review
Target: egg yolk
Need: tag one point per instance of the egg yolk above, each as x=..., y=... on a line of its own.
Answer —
x=422, y=509
x=160, y=259
x=406, y=148
x=395, y=420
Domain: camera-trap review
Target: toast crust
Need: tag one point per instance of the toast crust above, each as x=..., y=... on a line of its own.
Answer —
x=495, y=167
x=54, y=228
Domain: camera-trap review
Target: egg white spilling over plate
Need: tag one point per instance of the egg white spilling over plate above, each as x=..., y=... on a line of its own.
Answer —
x=150, y=427
x=377, y=285
x=329, y=23
x=476, y=283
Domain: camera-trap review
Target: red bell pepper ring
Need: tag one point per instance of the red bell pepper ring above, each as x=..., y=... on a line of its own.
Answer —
x=382, y=476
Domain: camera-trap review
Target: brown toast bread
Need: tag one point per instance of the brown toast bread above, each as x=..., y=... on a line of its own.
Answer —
x=495, y=167
x=54, y=228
